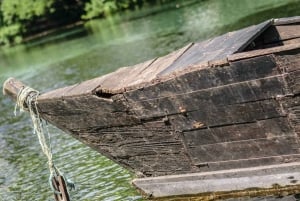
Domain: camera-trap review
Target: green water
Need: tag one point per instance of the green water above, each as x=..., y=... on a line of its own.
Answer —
x=99, y=47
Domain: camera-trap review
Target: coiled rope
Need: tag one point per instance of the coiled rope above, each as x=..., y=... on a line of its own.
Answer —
x=27, y=101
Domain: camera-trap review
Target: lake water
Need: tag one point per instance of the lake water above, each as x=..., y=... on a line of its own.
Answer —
x=99, y=47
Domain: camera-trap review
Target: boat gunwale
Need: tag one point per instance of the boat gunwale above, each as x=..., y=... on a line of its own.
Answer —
x=209, y=64
x=94, y=86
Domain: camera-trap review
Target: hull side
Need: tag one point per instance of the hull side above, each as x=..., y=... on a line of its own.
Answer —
x=243, y=114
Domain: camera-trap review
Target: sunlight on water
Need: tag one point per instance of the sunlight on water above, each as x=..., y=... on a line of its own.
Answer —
x=100, y=47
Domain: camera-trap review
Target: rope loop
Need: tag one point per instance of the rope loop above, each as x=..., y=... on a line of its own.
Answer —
x=27, y=101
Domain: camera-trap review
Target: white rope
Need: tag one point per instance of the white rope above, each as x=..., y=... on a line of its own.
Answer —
x=27, y=101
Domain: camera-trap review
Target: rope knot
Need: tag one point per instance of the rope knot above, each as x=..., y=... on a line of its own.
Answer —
x=25, y=98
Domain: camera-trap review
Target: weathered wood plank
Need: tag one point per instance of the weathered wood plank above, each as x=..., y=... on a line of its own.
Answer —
x=211, y=116
x=80, y=112
x=156, y=66
x=247, y=149
x=264, y=138
x=267, y=129
x=86, y=111
x=254, y=90
x=113, y=140
x=217, y=48
x=261, y=52
x=55, y=94
x=80, y=105
x=287, y=20
x=258, y=181
x=210, y=77
x=117, y=81
x=80, y=89
x=246, y=163
x=287, y=32
x=291, y=41
x=164, y=164
x=86, y=120
x=140, y=73
x=150, y=148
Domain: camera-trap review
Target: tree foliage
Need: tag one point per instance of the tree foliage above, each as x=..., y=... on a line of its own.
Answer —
x=22, y=10
x=96, y=8
x=20, y=18
x=16, y=15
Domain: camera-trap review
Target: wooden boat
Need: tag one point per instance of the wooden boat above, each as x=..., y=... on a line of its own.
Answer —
x=213, y=120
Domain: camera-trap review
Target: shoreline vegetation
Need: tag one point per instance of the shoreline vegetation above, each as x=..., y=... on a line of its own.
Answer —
x=22, y=21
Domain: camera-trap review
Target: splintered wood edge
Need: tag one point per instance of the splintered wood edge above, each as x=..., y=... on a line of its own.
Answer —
x=259, y=181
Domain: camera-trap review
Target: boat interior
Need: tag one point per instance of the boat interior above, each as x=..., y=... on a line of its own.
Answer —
x=276, y=35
